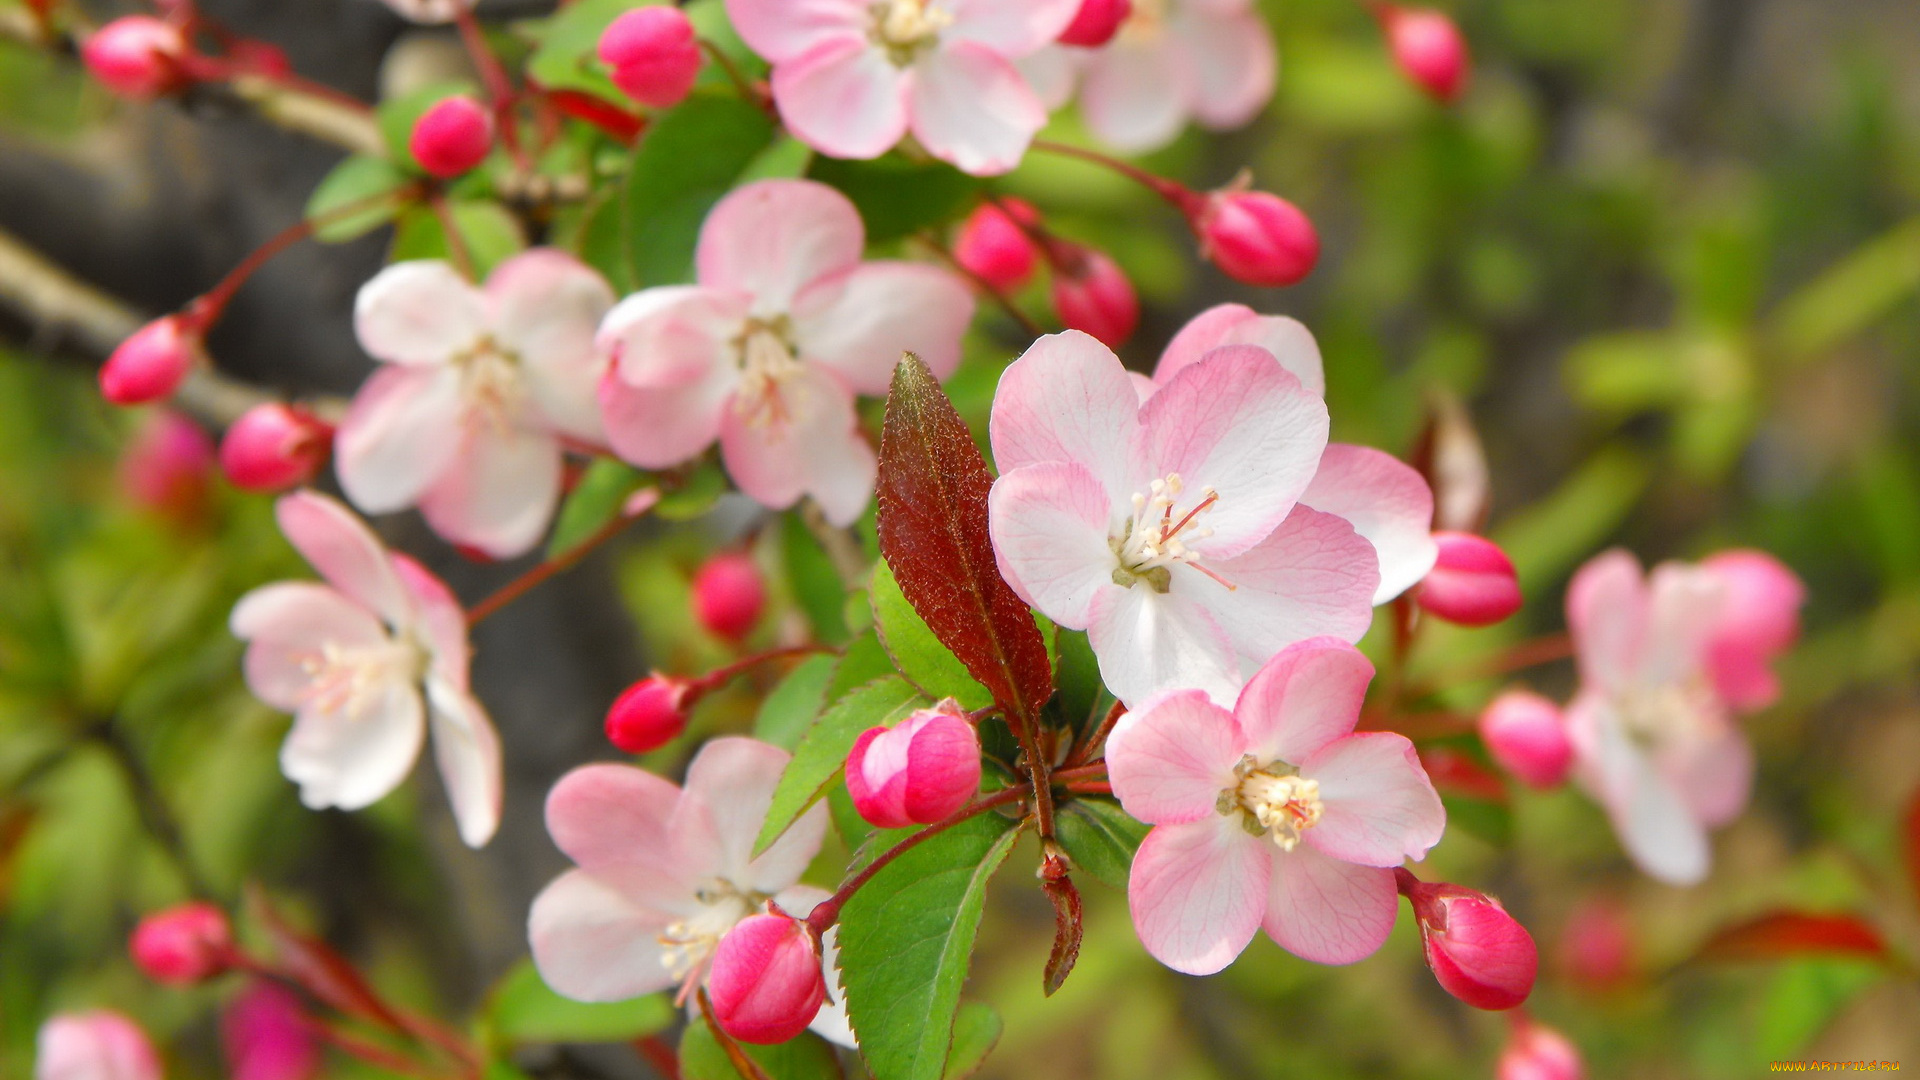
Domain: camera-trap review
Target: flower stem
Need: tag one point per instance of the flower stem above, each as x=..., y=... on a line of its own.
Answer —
x=499, y=87
x=1000, y=299
x=1096, y=739
x=753, y=92
x=520, y=586
x=372, y=1053
x=655, y=1052
x=742, y=1064
x=827, y=912
x=207, y=309
x=1179, y=195
x=713, y=679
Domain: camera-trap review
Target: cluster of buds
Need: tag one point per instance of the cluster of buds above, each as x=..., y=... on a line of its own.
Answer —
x=1472, y=583
x=1478, y=952
x=653, y=55
x=917, y=773
x=1002, y=242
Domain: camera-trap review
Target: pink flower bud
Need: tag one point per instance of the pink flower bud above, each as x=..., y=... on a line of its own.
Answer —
x=151, y=364
x=1526, y=734
x=766, y=984
x=97, y=1045
x=1472, y=583
x=183, y=945
x=992, y=246
x=137, y=57
x=267, y=1036
x=273, y=447
x=167, y=466
x=653, y=54
x=729, y=595
x=1096, y=23
x=1537, y=1052
x=1092, y=295
x=1257, y=237
x=452, y=137
x=919, y=772
x=1429, y=49
x=1477, y=951
x=650, y=714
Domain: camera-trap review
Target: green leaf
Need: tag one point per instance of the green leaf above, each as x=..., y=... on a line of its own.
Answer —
x=354, y=180
x=975, y=1031
x=806, y=1057
x=919, y=655
x=1490, y=821
x=523, y=1009
x=1082, y=697
x=897, y=197
x=697, y=493
x=1100, y=838
x=790, y=708
x=786, y=159
x=814, y=582
x=491, y=234
x=906, y=940
x=690, y=156
x=1803, y=998
x=862, y=662
x=822, y=752
x=603, y=489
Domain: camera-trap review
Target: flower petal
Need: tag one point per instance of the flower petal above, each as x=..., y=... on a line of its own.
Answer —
x=1230, y=63
x=805, y=440
x=1170, y=759
x=783, y=29
x=547, y=307
x=970, y=106
x=401, y=433
x=593, y=942
x=1760, y=619
x=286, y=625
x=673, y=335
x=728, y=792
x=1684, y=605
x=1380, y=808
x=441, y=619
x=500, y=492
x=1307, y=696
x=1149, y=642
x=1067, y=398
x=772, y=238
x=1328, y=911
x=1312, y=576
x=1197, y=892
x=858, y=323
x=1714, y=775
x=420, y=312
x=657, y=428
x=1655, y=825
x=1051, y=73
x=339, y=545
x=467, y=749
x=1134, y=94
x=1607, y=613
x=843, y=98
x=1237, y=324
x=1012, y=28
x=351, y=759
x=606, y=816
x=1049, y=527
x=1386, y=501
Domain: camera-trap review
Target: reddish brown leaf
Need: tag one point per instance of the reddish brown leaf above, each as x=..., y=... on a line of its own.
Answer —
x=1066, y=920
x=1910, y=837
x=1785, y=934
x=933, y=531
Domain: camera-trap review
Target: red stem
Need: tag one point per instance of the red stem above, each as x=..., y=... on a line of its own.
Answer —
x=752, y=91
x=1097, y=738
x=206, y=310
x=520, y=586
x=462, y=255
x=1001, y=299
x=664, y=1059
x=742, y=1064
x=828, y=911
x=719, y=675
x=1183, y=198
x=373, y=1053
x=499, y=87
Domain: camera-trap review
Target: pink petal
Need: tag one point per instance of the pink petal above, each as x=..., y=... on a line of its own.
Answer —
x=1683, y=613
x=1238, y=423
x=593, y=942
x=1714, y=775
x=1067, y=399
x=1305, y=698
x=1197, y=892
x=339, y=545
x=440, y=618
x=1608, y=615
x=813, y=446
x=860, y=322
x=1051, y=73
x=419, y=312
x=1134, y=94
x=1170, y=759
x=1148, y=642
x=1759, y=620
x=772, y=238
x=783, y=29
x=970, y=106
x=1049, y=529
x=1386, y=501
x=606, y=816
x=1236, y=324
x=843, y=98
x=1655, y=825
x=547, y=306
x=658, y=428
x=673, y=335
x=1380, y=808
x=401, y=433
x=467, y=749
x=1012, y=28
x=1312, y=576
x=353, y=759
x=1231, y=64
x=500, y=492
x=729, y=790
x=287, y=624
x=1328, y=911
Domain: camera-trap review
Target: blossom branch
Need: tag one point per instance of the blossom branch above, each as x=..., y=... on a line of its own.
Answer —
x=525, y=583
x=827, y=912
x=1000, y=298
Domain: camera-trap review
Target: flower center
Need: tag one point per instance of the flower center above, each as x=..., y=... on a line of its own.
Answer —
x=1156, y=539
x=687, y=944
x=491, y=381
x=1149, y=18
x=1275, y=800
x=345, y=680
x=1672, y=712
x=767, y=359
x=906, y=28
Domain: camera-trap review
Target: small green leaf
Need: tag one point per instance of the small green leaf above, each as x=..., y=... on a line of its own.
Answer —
x=897, y=197
x=919, y=655
x=357, y=179
x=1082, y=698
x=1100, y=838
x=790, y=708
x=697, y=493
x=523, y=1009
x=491, y=234
x=822, y=752
x=690, y=156
x=603, y=489
x=906, y=940
x=813, y=581
x=807, y=1057
x=786, y=159
x=975, y=1031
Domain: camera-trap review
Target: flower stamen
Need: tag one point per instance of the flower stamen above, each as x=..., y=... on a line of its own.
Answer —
x=1280, y=804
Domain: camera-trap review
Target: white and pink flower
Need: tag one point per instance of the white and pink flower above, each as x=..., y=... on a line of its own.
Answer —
x=1174, y=60
x=479, y=390
x=1277, y=815
x=767, y=351
x=96, y=1045
x=368, y=663
x=853, y=77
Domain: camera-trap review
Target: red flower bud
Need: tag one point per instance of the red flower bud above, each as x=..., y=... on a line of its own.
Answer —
x=267, y=1036
x=1480, y=954
x=452, y=137
x=1472, y=583
x=653, y=54
x=1429, y=49
x=151, y=364
x=992, y=246
x=1096, y=22
x=1526, y=734
x=183, y=945
x=766, y=984
x=650, y=714
x=917, y=773
x=1536, y=1052
x=1257, y=237
x=167, y=466
x=273, y=447
x=729, y=595
x=138, y=57
x=1092, y=295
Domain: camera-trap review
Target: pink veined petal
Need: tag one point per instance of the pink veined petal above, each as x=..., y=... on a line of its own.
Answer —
x=788, y=857
x=728, y=792
x=1655, y=825
x=467, y=750
x=613, y=815
x=440, y=617
x=1380, y=808
x=804, y=440
x=547, y=306
x=1149, y=642
x=1238, y=423
x=500, y=492
x=1049, y=527
x=1305, y=698
x=1051, y=73
x=780, y=30
x=858, y=323
x=345, y=552
x=287, y=624
x=1312, y=576
x=1012, y=28
x=673, y=335
x=1683, y=614
x=593, y=941
x=352, y=759
x=843, y=98
x=1237, y=324
x=970, y=106
x=657, y=428
x=400, y=434
x=1608, y=615
x=1231, y=64
x=1760, y=619
x=1067, y=398
x=420, y=312
x=772, y=238
x=1386, y=501
x=1134, y=94
x=1171, y=758
x=1328, y=911
x=1197, y=892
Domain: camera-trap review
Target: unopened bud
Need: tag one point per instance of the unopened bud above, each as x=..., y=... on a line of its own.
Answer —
x=1096, y=22
x=94, y=1045
x=1478, y=952
x=992, y=246
x=920, y=772
x=766, y=984
x=273, y=447
x=1429, y=49
x=1536, y=1052
x=650, y=714
x=151, y=364
x=1257, y=237
x=168, y=466
x=1472, y=583
x=452, y=137
x=1526, y=734
x=1092, y=295
x=138, y=56
x=267, y=1036
x=653, y=54
x=183, y=945
x=729, y=595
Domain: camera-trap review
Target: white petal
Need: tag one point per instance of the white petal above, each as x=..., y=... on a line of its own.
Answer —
x=969, y=106
x=1068, y=399
x=592, y=942
x=807, y=443
x=1148, y=642
x=1231, y=63
x=1049, y=527
x=772, y=238
x=345, y=551
x=467, y=750
x=1312, y=576
x=287, y=625
x=1380, y=808
x=547, y=307
x=1197, y=892
x=1134, y=94
x=500, y=492
x=859, y=323
x=353, y=759
x=401, y=433
x=419, y=312
x=1386, y=501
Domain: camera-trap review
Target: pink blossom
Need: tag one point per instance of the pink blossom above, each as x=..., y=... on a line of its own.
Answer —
x=649, y=714
x=654, y=55
x=1538, y=1052
x=1428, y=47
x=1761, y=620
x=993, y=247
x=1527, y=735
x=766, y=353
x=663, y=872
x=1277, y=815
x=1210, y=60
x=274, y=446
x=138, y=57
x=1092, y=294
x=767, y=983
x=267, y=1036
x=1477, y=952
x=97, y=1045
x=1472, y=582
x=1256, y=237
x=479, y=388
x=1096, y=22
x=152, y=362
x=168, y=466
x=729, y=595
x=852, y=77
x=367, y=663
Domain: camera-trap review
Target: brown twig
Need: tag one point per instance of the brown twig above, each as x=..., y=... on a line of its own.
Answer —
x=742, y=1064
x=520, y=586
